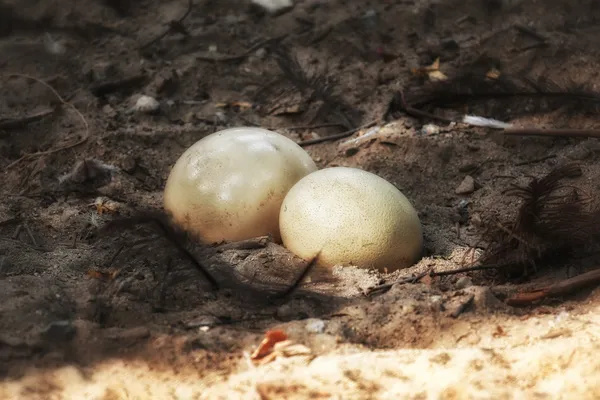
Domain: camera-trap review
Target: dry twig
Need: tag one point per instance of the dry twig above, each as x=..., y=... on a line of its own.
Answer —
x=243, y=55
x=174, y=26
x=65, y=103
x=337, y=135
x=563, y=288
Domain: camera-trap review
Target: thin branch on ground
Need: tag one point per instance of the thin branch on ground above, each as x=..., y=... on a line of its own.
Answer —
x=242, y=56
x=565, y=132
x=337, y=136
x=379, y=289
x=65, y=103
x=535, y=160
x=528, y=31
x=563, y=288
x=317, y=126
x=174, y=26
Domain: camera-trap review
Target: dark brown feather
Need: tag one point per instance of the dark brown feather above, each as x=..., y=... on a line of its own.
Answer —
x=553, y=217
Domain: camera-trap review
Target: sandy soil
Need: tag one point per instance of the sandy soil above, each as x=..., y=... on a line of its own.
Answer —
x=70, y=329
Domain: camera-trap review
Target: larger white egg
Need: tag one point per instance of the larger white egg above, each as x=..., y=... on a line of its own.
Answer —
x=352, y=217
x=230, y=185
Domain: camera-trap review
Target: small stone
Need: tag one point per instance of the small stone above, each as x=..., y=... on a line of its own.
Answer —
x=146, y=105
x=315, y=325
x=109, y=111
x=409, y=308
x=59, y=331
x=273, y=6
x=261, y=53
x=202, y=321
x=436, y=303
x=285, y=312
x=430, y=129
x=221, y=116
x=485, y=300
x=467, y=186
x=54, y=47
x=463, y=283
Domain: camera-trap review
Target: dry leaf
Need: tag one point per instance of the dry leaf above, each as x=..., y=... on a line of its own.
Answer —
x=285, y=349
x=437, y=76
x=279, y=109
x=493, y=74
x=266, y=346
x=431, y=71
x=104, y=204
x=107, y=275
x=499, y=332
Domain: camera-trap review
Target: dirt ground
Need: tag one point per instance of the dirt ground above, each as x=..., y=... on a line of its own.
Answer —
x=85, y=316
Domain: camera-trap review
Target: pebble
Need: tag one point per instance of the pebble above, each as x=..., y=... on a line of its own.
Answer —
x=315, y=325
x=436, y=303
x=463, y=283
x=109, y=111
x=202, y=321
x=261, y=53
x=284, y=312
x=467, y=186
x=146, y=105
x=273, y=6
x=55, y=47
x=430, y=129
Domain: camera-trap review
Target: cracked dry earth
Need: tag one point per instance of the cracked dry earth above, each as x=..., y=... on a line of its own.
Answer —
x=69, y=329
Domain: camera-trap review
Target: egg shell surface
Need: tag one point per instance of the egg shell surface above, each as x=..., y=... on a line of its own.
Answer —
x=229, y=185
x=351, y=216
